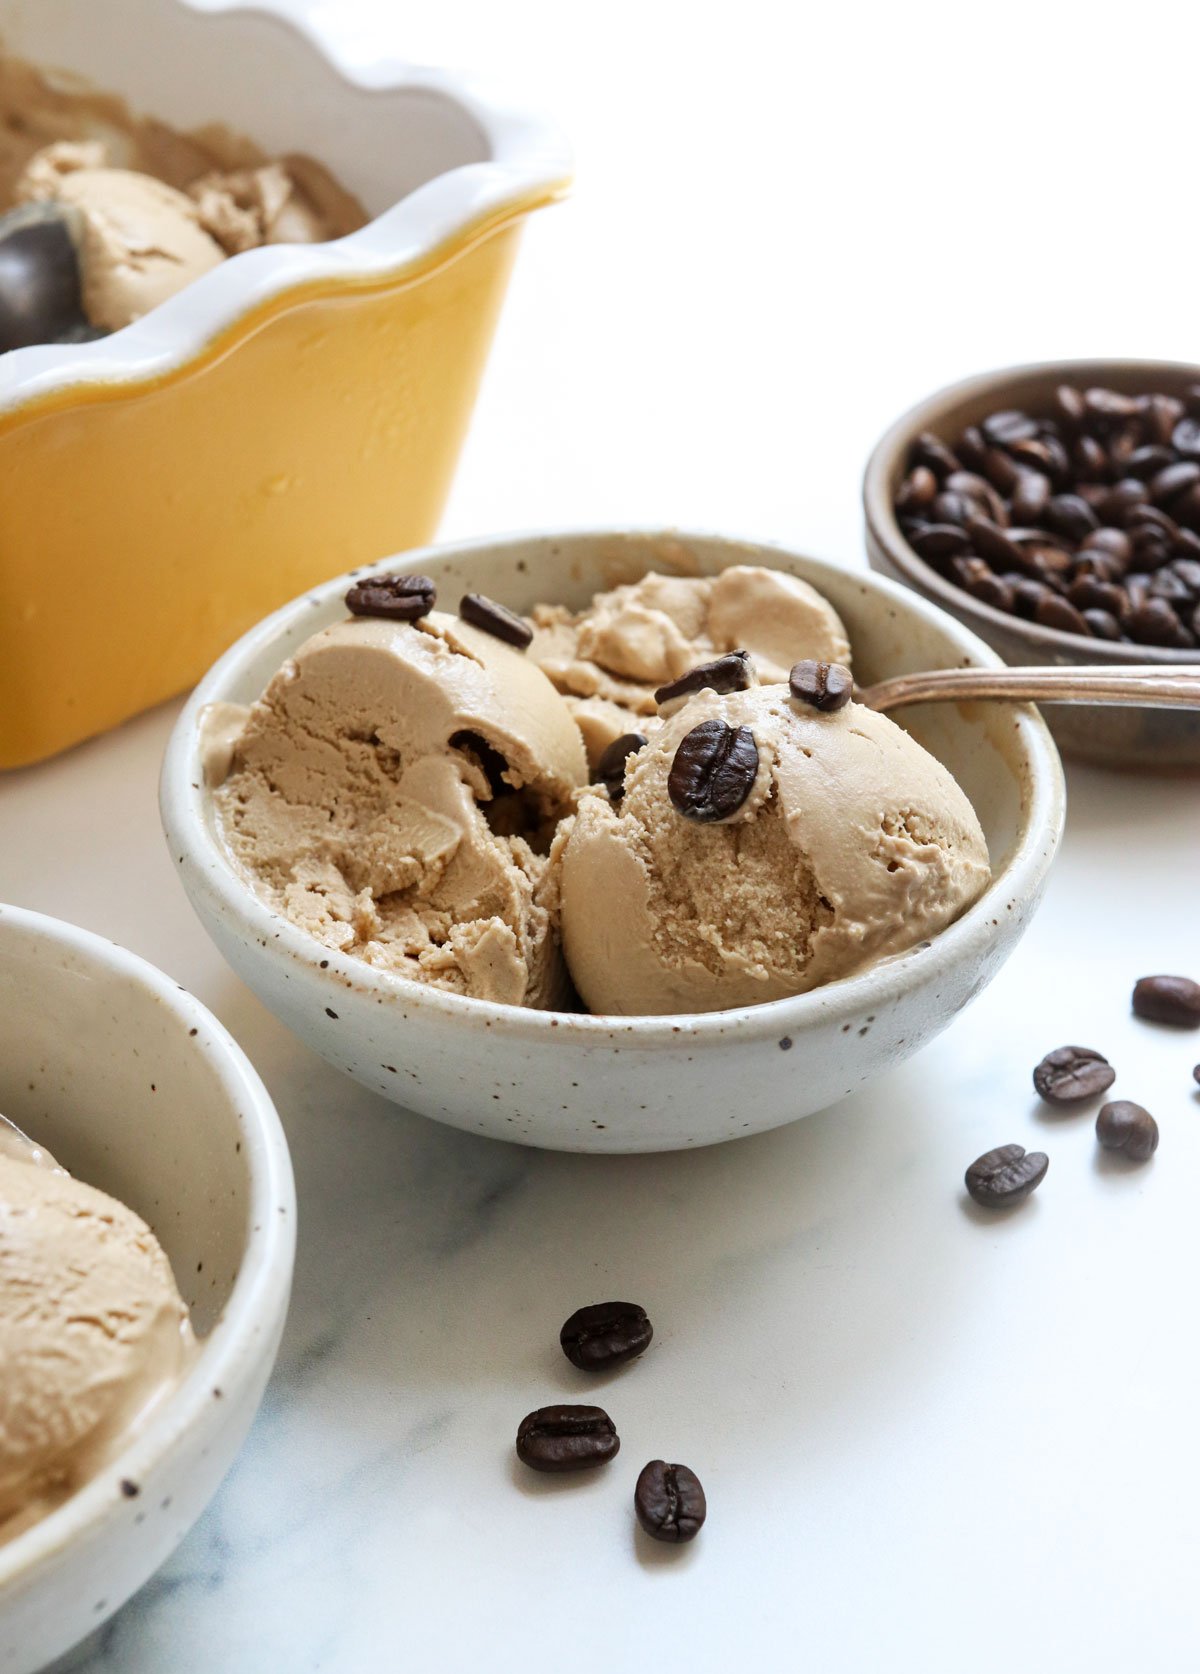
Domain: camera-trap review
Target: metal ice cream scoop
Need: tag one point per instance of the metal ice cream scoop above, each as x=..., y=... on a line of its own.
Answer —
x=40, y=279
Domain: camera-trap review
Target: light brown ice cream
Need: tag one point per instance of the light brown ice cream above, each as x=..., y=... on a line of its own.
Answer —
x=853, y=844
x=610, y=658
x=93, y=1332
x=394, y=793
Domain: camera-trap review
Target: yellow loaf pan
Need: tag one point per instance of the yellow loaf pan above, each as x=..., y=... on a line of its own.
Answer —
x=295, y=412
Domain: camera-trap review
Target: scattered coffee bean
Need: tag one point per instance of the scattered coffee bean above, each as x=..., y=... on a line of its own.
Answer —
x=734, y=672
x=1042, y=496
x=1168, y=999
x=567, y=1438
x=713, y=772
x=1123, y=1126
x=824, y=686
x=402, y=598
x=1070, y=1074
x=669, y=1502
x=605, y=1334
x=610, y=769
x=495, y=619
x=1006, y=1176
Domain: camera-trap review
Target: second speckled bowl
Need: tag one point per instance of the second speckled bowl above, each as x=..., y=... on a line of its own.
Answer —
x=575, y=1083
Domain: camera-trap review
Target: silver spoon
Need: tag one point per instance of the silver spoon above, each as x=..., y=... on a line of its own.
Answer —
x=1139, y=686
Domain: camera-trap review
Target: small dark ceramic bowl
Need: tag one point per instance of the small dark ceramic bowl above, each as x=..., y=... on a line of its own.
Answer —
x=1131, y=738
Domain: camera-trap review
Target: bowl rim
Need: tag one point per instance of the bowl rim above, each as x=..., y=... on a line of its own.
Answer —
x=529, y=165
x=884, y=528
x=260, y=1291
x=184, y=798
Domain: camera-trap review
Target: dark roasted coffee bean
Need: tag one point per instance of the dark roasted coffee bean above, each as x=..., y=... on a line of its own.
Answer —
x=1044, y=454
x=1006, y=1176
x=669, y=1502
x=1085, y=593
x=1122, y=445
x=1168, y=999
x=1053, y=612
x=610, y=769
x=940, y=541
x=976, y=577
x=1098, y=566
x=713, y=772
x=1173, y=481
x=40, y=286
x=1153, y=622
x=1116, y=505
x=567, y=1438
x=824, y=686
x=1109, y=404
x=1147, y=462
x=1186, y=510
x=1185, y=438
x=999, y=429
x=1187, y=543
x=952, y=508
x=1090, y=459
x=1070, y=1074
x=1028, y=595
x=1190, y=402
x=495, y=619
x=1167, y=585
x=1092, y=494
x=1102, y=624
x=972, y=449
x=1001, y=470
x=733, y=672
x=934, y=454
x=605, y=1334
x=1115, y=541
x=1030, y=497
x=919, y=489
x=992, y=543
x=1162, y=414
x=402, y=598
x=1071, y=516
x=1124, y=1126
x=1069, y=404
x=1151, y=517
x=1151, y=550
x=1188, y=571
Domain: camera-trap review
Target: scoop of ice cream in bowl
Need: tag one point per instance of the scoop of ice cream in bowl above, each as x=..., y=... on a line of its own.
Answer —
x=559, y=855
x=147, y=1226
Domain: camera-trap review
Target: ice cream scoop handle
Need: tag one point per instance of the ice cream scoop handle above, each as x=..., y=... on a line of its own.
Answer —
x=1138, y=686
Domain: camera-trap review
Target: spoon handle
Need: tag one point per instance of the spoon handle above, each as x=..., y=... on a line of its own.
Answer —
x=1139, y=686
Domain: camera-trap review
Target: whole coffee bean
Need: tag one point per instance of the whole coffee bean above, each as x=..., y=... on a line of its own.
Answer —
x=1188, y=571
x=1002, y=428
x=1187, y=543
x=940, y=541
x=952, y=508
x=567, y=1438
x=713, y=772
x=1001, y=470
x=992, y=543
x=1123, y=443
x=1030, y=497
x=669, y=1502
x=1028, y=595
x=1186, y=511
x=1093, y=564
x=1167, y=585
x=1124, y=1126
x=1114, y=541
x=1146, y=517
x=1121, y=498
x=1048, y=560
x=1162, y=414
x=934, y=455
x=1069, y=404
x=1185, y=438
x=1103, y=624
x=610, y=769
x=1071, y=1074
x=1086, y=593
x=1151, y=550
x=733, y=672
x=919, y=489
x=1173, y=480
x=495, y=619
x=1053, y=612
x=1044, y=454
x=1147, y=462
x=1168, y=999
x=401, y=598
x=972, y=449
x=1071, y=516
x=824, y=686
x=1109, y=404
x=605, y=1334
x=1006, y=1176
x=1089, y=459
x=1153, y=622
x=990, y=590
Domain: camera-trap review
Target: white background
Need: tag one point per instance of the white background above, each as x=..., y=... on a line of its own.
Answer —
x=932, y=1441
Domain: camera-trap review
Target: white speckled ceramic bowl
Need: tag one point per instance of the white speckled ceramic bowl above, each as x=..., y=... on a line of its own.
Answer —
x=139, y=1090
x=638, y=1083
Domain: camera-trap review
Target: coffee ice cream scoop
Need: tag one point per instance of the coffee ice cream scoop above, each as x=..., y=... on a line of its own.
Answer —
x=93, y=1332
x=761, y=847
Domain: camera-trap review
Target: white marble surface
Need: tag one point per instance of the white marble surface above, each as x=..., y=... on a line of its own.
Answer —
x=932, y=1441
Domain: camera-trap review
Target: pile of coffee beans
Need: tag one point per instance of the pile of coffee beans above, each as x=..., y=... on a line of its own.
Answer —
x=1085, y=518
x=1073, y=1075
x=668, y=1499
